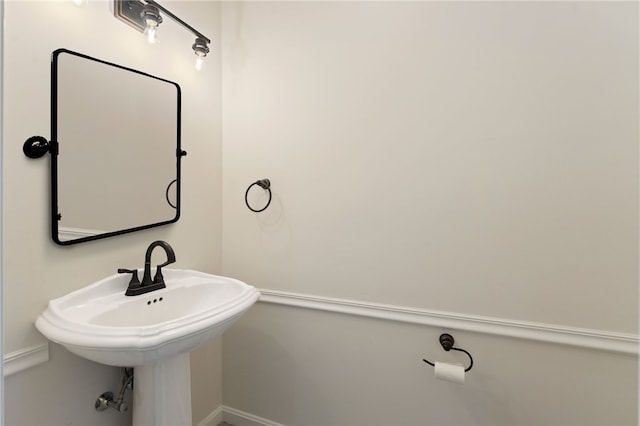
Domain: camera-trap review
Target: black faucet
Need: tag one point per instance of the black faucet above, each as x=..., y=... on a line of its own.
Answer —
x=135, y=286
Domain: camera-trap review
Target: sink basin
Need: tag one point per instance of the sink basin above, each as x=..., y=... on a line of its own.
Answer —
x=100, y=323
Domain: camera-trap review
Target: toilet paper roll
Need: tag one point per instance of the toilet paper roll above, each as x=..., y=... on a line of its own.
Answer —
x=449, y=372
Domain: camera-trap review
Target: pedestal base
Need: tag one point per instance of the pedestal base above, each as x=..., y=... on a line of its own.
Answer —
x=162, y=393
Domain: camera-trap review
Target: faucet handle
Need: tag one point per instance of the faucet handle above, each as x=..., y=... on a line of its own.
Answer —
x=135, y=282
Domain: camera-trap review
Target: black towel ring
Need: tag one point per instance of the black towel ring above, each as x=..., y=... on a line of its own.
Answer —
x=446, y=340
x=264, y=184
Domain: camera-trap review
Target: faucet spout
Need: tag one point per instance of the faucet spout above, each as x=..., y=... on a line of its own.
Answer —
x=158, y=278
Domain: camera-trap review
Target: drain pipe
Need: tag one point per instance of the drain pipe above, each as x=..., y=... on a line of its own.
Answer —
x=105, y=400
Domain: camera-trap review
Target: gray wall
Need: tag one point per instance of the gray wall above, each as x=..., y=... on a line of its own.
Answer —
x=474, y=160
x=478, y=160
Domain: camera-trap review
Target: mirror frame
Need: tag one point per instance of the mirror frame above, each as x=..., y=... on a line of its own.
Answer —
x=53, y=149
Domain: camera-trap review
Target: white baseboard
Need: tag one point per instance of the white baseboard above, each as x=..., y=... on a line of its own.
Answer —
x=235, y=417
x=565, y=335
x=240, y=418
x=213, y=419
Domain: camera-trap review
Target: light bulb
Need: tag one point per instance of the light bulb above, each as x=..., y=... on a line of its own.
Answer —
x=201, y=49
x=80, y=3
x=152, y=18
x=151, y=33
x=199, y=62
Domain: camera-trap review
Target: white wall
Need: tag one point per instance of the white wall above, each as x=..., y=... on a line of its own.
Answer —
x=1, y=142
x=478, y=159
x=63, y=390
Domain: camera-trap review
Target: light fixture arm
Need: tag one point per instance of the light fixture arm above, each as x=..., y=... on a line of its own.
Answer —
x=128, y=11
x=178, y=20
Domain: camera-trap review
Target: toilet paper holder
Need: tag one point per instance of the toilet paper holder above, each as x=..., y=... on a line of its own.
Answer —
x=447, y=341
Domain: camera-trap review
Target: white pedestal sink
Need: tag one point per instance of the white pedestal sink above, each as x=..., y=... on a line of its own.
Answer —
x=152, y=332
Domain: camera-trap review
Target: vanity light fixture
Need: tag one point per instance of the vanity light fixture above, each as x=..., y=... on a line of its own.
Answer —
x=144, y=16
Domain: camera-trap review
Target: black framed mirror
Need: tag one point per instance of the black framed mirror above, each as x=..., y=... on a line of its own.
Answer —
x=115, y=149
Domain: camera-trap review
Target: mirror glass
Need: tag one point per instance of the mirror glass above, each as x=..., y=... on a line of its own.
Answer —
x=116, y=168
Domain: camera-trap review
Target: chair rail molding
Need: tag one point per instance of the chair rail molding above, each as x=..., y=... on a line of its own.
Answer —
x=625, y=343
x=587, y=338
x=25, y=358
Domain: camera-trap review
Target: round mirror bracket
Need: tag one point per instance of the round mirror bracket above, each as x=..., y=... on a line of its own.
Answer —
x=36, y=147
